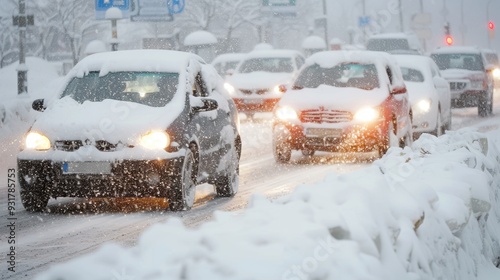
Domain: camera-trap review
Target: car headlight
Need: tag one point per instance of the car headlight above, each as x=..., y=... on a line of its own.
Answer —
x=37, y=141
x=229, y=88
x=496, y=73
x=277, y=90
x=286, y=113
x=424, y=105
x=155, y=140
x=367, y=115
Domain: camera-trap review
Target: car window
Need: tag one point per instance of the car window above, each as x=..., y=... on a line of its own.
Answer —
x=389, y=74
x=153, y=89
x=299, y=61
x=412, y=75
x=363, y=76
x=467, y=61
x=268, y=64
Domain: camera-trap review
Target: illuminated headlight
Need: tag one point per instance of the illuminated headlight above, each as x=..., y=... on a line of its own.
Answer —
x=37, y=141
x=424, y=105
x=286, y=113
x=496, y=73
x=156, y=140
x=277, y=90
x=229, y=88
x=367, y=115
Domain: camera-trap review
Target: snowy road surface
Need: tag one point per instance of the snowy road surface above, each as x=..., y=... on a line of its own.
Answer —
x=78, y=226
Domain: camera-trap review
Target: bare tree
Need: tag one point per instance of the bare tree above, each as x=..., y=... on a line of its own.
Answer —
x=200, y=14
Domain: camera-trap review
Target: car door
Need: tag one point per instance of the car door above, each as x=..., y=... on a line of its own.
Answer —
x=443, y=89
x=400, y=100
x=207, y=125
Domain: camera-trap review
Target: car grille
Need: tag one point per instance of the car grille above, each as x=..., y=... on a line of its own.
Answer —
x=73, y=145
x=254, y=91
x=457, y=85
x=323, y=116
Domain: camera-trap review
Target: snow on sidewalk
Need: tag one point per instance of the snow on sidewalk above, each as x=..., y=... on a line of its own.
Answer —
x=430, y=212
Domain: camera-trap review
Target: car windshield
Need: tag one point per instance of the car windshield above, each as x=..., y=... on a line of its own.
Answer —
x=149, y=88
x=386, y=45
x=465, y=61
x=270, y=64
x=363, y=76
x=412, y=75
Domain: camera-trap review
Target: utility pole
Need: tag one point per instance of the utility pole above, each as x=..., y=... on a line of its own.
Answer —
x=364, y=16
x=424, y=42
x=22, y=20
x=326, y=24
x=401, y=26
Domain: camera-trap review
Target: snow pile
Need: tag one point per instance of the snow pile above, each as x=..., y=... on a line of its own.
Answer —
x=430, y=212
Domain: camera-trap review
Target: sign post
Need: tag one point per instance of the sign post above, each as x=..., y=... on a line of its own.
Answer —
x=101, y=6
x=22, y=20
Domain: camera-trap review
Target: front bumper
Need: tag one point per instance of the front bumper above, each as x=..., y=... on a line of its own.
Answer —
x=255, y=105
x=126, y=178
x=332, y=138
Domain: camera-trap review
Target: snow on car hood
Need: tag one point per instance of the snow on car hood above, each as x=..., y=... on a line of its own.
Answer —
x=459, y=73
x=259, y=80
x=109, y=120
x=333, y=98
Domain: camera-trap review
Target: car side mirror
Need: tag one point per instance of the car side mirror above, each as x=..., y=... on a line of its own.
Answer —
x=398, y=90
x=38, y=105
x=208, y=105
x=490, y=68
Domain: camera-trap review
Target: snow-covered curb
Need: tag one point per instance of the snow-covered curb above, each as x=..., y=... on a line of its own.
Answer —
x=430, y=212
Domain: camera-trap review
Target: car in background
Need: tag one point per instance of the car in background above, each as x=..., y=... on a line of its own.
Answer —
x=394, y=42
x=141, y=123
x=469, y=76
x=491, y=57
x=429, y=93
x=225, y=64
x=343, y=101
x=254, y=86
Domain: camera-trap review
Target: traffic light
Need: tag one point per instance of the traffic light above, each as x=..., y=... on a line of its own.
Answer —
x=449, y=40
x=491, y=29
x=491, y=25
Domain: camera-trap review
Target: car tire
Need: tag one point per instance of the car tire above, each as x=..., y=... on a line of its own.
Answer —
x=308, y=152
x=389, y=140
x=34, y=201
x=182, y=191
x=485, y=104
x=439, y=125
x=227, y=184
x=282, y=151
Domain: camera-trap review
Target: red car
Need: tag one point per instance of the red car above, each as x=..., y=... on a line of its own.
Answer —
x=343, y=101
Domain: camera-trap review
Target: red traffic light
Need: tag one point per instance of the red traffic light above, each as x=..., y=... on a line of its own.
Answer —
x=491, y=25
x=449, y=40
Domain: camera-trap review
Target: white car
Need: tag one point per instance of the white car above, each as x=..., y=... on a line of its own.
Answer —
x=226, y=64
x=430, y=96
x=254, y=86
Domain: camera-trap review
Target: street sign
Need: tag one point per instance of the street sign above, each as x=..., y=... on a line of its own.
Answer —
x=364, y=21
x=153, y=10
x=278, y=2
x=283, y=8
x=176, y=6
x=101, y=6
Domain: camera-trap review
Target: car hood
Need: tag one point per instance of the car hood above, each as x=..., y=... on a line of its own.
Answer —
x=259, y=80
x=333, y=98
x=419, y=91
x=109, y=120
x=454, y=74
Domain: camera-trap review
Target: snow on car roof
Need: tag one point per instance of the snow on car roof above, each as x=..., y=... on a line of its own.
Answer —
x=390, y=35
x=414, y=61
x=134, y=60
x=456, y=49
x=229, y=57
x=314, y=42
x=271, y=53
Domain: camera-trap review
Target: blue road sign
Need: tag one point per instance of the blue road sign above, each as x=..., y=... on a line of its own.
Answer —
x=176, y=6
x=364, y=21
x=101, y=6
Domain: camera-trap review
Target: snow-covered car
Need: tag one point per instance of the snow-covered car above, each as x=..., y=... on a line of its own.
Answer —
x=255, y=85
x=226, y=64
x=469, y=76
x=394, y=42
x=343, y=101
x=429, y=93
x=491, y=57
x=143, y=123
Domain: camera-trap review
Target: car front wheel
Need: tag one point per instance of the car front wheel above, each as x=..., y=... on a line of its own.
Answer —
x=34, y=201
x=227, y=184
x=182, y=192
x=485, y=104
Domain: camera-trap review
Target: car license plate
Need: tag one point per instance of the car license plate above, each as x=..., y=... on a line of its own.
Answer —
x=87, y=167
x=253, y=101
x=324, y=132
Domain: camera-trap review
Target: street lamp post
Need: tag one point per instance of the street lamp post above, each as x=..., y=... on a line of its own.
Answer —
x=326, y=23
x=114, y=14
